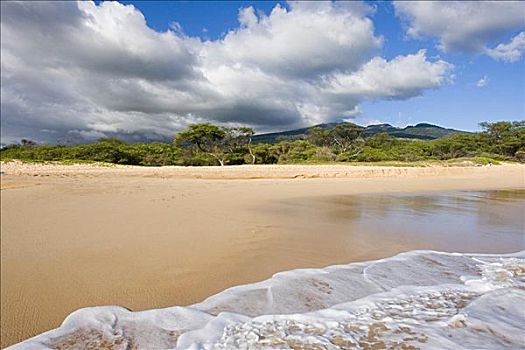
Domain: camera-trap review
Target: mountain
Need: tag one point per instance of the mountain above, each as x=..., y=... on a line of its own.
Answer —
x=421, y=131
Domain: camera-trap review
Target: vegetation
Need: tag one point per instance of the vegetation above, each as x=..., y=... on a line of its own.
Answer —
x=225, y=145
x=207, y=144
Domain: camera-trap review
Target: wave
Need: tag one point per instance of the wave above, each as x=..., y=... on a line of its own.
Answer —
x=414, y=300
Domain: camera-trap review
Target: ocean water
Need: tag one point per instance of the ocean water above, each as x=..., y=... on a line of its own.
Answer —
x=415, y=300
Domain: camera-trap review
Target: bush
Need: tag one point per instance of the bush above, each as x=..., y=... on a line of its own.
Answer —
x=520, y=156
x=293, y=152
x=235, y=159
x=485, y=161
x=199, y=159
x=323, y=154
x=263, y=154
x=370, y=154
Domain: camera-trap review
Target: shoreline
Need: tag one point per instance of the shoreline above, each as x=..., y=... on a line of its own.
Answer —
x=164, y=238
x=230, y=312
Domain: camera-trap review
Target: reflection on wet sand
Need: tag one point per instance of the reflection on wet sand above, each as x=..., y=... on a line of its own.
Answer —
x=468, y=221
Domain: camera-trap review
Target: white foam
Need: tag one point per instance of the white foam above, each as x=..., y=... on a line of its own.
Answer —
x=424, y=299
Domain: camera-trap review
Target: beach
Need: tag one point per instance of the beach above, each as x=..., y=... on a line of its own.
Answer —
x=149, y=237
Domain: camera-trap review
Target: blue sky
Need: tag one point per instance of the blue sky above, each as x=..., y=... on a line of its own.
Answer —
x=207, y=19
x=142, y=70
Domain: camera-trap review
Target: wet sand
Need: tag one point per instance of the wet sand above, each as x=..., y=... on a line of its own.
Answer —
x=155, y=237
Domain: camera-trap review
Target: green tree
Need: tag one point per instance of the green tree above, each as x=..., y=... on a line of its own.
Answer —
x=319, y=137
x=381, y=140
x=347, y=139
x=263, y=154
x=239, y=140
x=205, y=138
x=505, y=138
x=342, y=138
x=457, y=145
x=221, y=143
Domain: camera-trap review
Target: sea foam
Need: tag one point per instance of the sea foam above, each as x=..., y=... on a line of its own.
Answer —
x=415, y=300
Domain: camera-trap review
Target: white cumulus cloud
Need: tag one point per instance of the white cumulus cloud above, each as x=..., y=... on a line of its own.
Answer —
x=464, y=26
x=402, y=77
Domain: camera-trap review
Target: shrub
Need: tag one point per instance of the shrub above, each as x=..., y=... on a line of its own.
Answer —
x=520, y=156
x=370, y=154
x=485, y=161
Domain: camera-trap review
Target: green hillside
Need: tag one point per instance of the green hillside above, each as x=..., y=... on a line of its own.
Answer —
x=421, y=131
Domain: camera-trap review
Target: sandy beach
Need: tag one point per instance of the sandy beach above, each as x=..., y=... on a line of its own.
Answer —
x=84, y=235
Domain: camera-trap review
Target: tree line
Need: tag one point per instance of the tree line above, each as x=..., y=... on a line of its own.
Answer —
x=207, y=144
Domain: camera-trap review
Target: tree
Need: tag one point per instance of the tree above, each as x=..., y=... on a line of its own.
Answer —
x=342, y=138
x=218, y=142
x=520, y=156
x=505, y=138
x=381, y=140
x=496, y=131
x=239, y=139
x=457, y=145
x=292, y=151
x=319, y=137
x=347, y=138
x=263, y=153
x=203, y=137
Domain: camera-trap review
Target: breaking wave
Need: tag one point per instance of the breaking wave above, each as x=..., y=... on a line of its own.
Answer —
x=415, y=300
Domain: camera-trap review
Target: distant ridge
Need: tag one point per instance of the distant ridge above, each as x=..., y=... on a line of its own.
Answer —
x=421, y=131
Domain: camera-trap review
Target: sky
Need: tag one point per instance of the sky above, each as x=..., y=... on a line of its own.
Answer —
x=143, y=70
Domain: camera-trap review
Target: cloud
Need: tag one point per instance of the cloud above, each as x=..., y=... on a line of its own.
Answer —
x=510, y=52
x=368, y=122
x=83, y=70
x=401, y=78
x=462, y=26
x=310, y=39
x=482, y=82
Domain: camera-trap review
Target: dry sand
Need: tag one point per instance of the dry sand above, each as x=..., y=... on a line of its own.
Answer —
x=76, y=236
